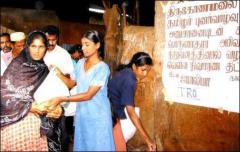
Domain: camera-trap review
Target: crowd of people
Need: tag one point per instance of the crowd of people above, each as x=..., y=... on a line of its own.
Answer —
x=31, y=121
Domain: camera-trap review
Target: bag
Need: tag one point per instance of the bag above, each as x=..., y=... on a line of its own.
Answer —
x=51, y=87
x=70, y=107
x=128, y=127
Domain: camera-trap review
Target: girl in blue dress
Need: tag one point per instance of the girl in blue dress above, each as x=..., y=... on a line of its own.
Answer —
x=93, y=121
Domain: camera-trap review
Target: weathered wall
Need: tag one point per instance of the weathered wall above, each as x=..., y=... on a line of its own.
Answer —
x=27, y=20
x=135, y=39
x=72, y=32
x=191, y=128
x=181, y=127
x=112, y=36
x=174, y=126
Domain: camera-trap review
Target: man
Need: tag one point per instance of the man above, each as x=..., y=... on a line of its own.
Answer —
x=58, y=57
x=18, y=39
x=6, y=51
x=76, y=53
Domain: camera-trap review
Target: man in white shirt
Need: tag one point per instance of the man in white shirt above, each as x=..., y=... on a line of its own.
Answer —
x=6, y=51
x=56, y=55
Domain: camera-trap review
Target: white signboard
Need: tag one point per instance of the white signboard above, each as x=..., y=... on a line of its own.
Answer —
x=201, y=57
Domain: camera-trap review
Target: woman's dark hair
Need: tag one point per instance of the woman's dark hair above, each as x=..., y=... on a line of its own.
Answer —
x=96, y=37
x=30, y=38
x=36, y=35
x=139, y=59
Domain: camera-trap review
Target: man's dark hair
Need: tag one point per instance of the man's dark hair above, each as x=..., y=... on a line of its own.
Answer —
x=51, y=30
x=5, y=34
x=75, y=48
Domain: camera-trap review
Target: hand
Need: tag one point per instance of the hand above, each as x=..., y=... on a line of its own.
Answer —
x=38, y=109
x=56, y=113
x=53, y=103
x=152, y=146
x=57, y=71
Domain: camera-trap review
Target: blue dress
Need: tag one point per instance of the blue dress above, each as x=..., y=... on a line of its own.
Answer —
x=93, y=121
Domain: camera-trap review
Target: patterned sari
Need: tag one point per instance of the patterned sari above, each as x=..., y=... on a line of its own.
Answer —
x=18, y=84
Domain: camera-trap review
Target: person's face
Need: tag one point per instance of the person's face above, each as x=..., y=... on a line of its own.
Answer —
x=52, y=40
x=18, y=46
x=89, y=48
x=141, y=71
x=5, y=44
x=77, y=55
x=37, y=49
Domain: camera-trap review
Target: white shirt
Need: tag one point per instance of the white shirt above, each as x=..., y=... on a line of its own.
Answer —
x=6, y=58
x=61, y=58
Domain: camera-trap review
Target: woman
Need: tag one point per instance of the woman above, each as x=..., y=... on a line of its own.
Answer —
x=93, y=122
x=121, y=92
x=20, y=121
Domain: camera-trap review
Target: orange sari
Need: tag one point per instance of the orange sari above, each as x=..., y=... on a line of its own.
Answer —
x=120, y=144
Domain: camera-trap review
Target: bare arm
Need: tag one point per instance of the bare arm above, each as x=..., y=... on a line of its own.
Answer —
x=138, y=124
x=83, y=96
x=88, y=95
x=65, y=78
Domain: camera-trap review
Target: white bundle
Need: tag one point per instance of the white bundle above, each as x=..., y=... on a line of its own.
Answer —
x=51, y=87
x=128, y=127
